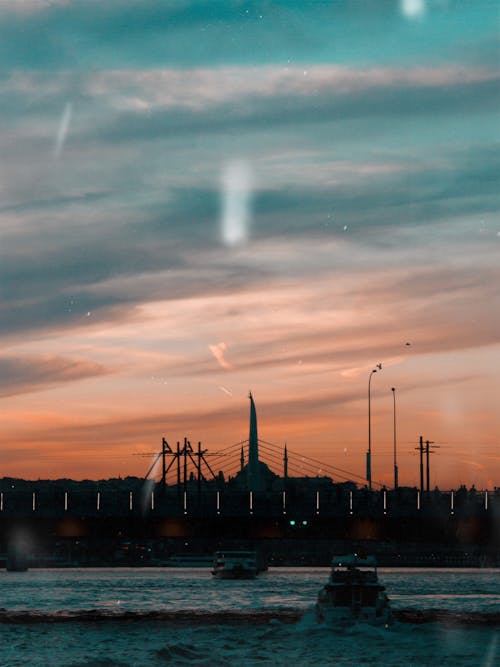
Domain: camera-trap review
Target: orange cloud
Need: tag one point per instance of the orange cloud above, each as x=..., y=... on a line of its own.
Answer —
x=218, y=352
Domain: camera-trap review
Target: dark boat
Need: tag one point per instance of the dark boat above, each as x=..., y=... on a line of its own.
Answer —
x=353, y=594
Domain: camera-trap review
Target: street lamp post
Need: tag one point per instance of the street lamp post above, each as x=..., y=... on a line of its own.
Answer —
x=395, y=463
x=369, y=452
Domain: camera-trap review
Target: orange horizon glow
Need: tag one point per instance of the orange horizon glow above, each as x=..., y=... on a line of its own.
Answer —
x=78, y=448
x=312, y=398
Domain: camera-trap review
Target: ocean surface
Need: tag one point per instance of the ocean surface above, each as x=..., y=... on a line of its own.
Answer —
x=182, y=616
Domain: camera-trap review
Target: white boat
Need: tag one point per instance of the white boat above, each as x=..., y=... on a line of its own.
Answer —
x=353, y=594
x=235, y=565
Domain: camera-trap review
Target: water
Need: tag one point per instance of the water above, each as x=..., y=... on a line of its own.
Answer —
x=125, y=617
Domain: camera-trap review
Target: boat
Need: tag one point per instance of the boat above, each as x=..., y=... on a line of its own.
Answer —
x=353, y=594
x=235, y=565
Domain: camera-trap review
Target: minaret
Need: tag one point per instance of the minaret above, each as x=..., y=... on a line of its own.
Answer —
x=253, y=469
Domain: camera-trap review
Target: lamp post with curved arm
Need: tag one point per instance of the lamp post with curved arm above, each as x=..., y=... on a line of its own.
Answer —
x=369, y=452
x=393, y=389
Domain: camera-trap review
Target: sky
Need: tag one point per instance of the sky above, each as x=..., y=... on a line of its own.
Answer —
x=199, y=199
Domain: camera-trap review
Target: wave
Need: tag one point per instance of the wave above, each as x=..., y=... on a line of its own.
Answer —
x=178, y=617
x=230, y=617
x=447, y=616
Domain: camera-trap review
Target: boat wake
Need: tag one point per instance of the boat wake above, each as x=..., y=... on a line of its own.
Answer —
x=179, y=617
x=448, y=617
x=192, y=617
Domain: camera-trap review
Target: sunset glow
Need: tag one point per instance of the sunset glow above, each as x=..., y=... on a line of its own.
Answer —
x=272, y=204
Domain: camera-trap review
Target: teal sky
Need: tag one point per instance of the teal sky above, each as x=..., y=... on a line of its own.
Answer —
x=202, y=198
x=88, y=35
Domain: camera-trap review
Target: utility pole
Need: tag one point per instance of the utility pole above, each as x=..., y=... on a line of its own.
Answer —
x=185, y=451
x=199, y=455
x=427, y=452
x=285, y=465
x=421, y=449
x=163, y=465
x=178, y=456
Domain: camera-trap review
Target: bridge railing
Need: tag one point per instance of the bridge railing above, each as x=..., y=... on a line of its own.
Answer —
x=153, y=500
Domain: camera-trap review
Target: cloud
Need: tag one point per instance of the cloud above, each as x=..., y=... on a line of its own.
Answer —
x=109, y=269
x=126, y=105
x=20, y=375
x=358, y=317
x=201, y=89
x=326, y=95
x=218, y=352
